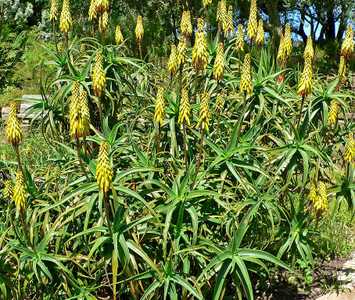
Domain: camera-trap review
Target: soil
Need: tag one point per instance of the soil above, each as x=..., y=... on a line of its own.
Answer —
x=334, y=280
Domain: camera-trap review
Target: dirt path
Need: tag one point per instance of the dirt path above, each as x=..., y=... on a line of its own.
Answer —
x=346, y=277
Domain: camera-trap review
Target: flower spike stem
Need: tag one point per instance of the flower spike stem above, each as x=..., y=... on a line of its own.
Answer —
x=78, y=147
x=200, y=154
x=157, y=138
x=186, y=147
x=18, y=157
x=300, y=113
x=108, y=212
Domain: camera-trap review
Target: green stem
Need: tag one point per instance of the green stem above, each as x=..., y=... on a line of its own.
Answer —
x=107, y=212
x=186, y=147
x=200, y=155
x=81, y=163
x=300, y=113
x=19, y=162
x=157, y=138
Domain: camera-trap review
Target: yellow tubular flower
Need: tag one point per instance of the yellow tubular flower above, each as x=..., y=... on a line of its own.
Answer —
x=173, y=61
x=288, y=40
x=13, y=127
x=8, y=189
x=185, y=108
x=92, y=10
x=347, y=46
x=102, y=6
x=228, y=26
x=221, y=13
x=74, y=109
x=19, y=194
x=308, y=51
x=342, y=70
x=322, y=201
x=53, y=13
x=260, y=34
x=98, y=75
x=199, y=51
x=104, y=172
x=204, y=116
x=349, y=152
x=65, y=17
x=313, y=193
x=281, y=53
x=103, y=22
x=239, y=42
x=246, y=85
x=218, y=67
x=84, y=115
x=206, y=3
x=185, y=25
x=74, y=102
x=252, y=22
x=181, y=51
x=139, y=31
x=333, y=112
x=159, y=113
x=219, y=103
x=306, y=82
x=118, y=35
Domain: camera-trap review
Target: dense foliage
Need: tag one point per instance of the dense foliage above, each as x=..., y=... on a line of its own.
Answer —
x=199, y=175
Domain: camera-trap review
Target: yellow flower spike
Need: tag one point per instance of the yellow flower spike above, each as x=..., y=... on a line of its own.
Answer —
x=8, y=189
x=104, y=172
x=246, y=84
x=185, y=24
x=19, y=193
x=98, y=75
x=228, y=26
x=181, y=51
x=218, y=67
x=219, y=103
x=206, y=3
x=239, y=42
x=308, y=51
x=74, y=109
x=200, y=51
x=342, y=70
x=260, y=34
x=159, y=113
x=322, y=201
x=306, y=82
x=185, y=108
x=252, y=22
x=13, y=128
x=221, y=13
x=84, y=115
x=313, y=193
x=347, y=46
x=102, y=6
x=333, y=112
x=53, y=13
x=281, y=53
x=204, y=115
x=349, y=152
x=173, y=61
x=92, y=10
x=288, y=40
x=65, y=17
x=139, y=31
x=103, y=22
x=74, y=99
x=118, y=35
